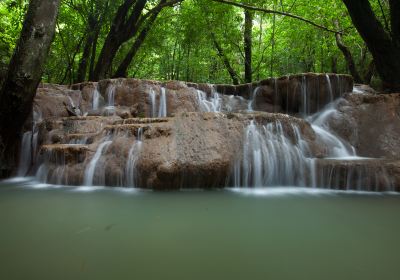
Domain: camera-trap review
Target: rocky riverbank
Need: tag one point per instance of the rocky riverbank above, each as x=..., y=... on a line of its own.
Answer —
x=148, y=134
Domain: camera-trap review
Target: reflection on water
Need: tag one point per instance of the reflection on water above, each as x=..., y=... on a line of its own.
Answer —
x=277, y=233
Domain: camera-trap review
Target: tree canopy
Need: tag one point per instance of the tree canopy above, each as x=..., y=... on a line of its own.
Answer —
x=194, y=40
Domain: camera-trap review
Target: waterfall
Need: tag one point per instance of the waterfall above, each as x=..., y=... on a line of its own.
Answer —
x=162, y=111
x=337, y=148
x=152, y=97
x=252, y=101
x=329, y=87
x=339, y=174
x=91, y=168
x=95, y=98
x=71, y=102
x=213, y=104
x=133, y=156
x=29, y=146
x=339, y=85
x=110, y=92
x=111, y=95
x=270, y=157
x=304, y=97
x=287, y=95
x=25, y=158
x=216, y=100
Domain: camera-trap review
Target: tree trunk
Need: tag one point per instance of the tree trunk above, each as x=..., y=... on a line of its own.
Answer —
x=91, y=33
x=369, y=73
x=384, y=50
x=24, y=75
x=395, y=20
x=248, y=26
x=123, y=67
x=351, y=66
x=221, y=54
x=334, y=64
x=93, y=55
x=123, y=28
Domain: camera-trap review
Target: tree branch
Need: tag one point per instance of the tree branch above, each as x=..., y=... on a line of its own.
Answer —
x=267, y=11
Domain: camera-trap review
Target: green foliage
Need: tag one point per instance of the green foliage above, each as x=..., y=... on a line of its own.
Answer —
x=179, y=45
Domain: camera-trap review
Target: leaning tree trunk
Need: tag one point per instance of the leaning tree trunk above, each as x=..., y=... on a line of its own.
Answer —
x=91, y=33
x=383, y=48
x=225, y=60
x=123, y=67
x=351, y=65
x=24, y=75
x=123, y=28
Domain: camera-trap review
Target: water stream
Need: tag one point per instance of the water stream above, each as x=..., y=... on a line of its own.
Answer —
x=91, y=168
x=273, y=154
x=96, y=98
x=162, y=110
x=134, y=152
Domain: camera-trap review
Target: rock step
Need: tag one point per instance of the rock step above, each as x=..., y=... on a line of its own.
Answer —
x=78, y=125
x=133, y=129
x=78, y=138
x=142, y=120
x=366, y=174
x=61, y=154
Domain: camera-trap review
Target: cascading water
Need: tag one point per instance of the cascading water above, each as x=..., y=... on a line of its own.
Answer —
x=252, y=101
x=71, y=101
x=25, y=158
x=329, y=87
x=274, y=153
x=95, y=98
x=337, y=147
x=213, y=104
x=133, y=156
x=270, y=157
x=91, y=168
x=304, y=98
x=29, y=146
x=110, y=91
x=111, y=95
x=162, y=110
x=152, y=98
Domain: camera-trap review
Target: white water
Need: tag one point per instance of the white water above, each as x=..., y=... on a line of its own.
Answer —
x=95, y=98
x=338, y=148
x=162, y=110
x=270, y=157
x=212, y=104
x=304, y=98
x=71, y=101
x=25, y=158
x=110, y=95
x=329, y=86
x=133, y=156
x=91, y=168
x=110, y=92
x=29, y=144
x=252, y=101
x=152, y=97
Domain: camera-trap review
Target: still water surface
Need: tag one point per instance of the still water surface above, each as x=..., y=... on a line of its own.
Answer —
x=74, y=233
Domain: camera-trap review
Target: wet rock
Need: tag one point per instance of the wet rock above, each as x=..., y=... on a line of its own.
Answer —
x=195, y=149
x=359, y=174
x=371, y=123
